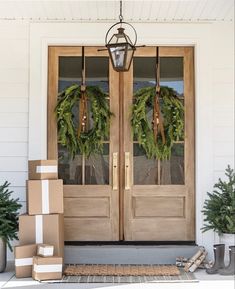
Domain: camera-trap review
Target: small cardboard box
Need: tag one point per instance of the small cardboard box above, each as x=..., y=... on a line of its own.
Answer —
x=45, y=197
x=24, y=260
x=40, y=229
x=43, y=170
x=45, y=250
x=49, y=268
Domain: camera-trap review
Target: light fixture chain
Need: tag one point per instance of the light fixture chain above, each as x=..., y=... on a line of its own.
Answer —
x=120, y=15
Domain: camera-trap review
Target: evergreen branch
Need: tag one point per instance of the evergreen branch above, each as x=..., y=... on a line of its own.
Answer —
x=9, y=208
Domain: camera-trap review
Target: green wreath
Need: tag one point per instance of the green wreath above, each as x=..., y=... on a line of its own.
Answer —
x=90, y=141
x=172, y=111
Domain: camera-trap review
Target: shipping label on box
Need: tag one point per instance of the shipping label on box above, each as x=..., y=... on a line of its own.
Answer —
x=45, y=250
x=43, y=170
x=24, y=260
x=45, y=197
x=39, y=229
x=49, y=268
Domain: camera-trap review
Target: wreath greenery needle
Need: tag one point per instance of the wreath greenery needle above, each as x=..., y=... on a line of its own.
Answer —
x=88, y=141
x=172, y=111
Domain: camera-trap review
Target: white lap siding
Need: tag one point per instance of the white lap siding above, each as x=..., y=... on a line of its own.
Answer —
x=14, y=96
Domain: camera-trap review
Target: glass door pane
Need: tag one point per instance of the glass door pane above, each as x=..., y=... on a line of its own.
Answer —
x=145, y=170
x=171, y=75
x=153, y=171
x=95, y=169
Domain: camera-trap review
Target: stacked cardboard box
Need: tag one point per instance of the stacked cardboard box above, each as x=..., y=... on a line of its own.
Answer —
x=47, y=268
x=44, y=222
x=37, y=261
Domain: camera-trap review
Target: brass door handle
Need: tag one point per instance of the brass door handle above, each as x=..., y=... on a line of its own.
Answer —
x=127, y=171
x=115, y=171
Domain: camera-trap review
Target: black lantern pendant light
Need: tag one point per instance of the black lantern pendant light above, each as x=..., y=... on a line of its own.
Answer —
x=120, y=47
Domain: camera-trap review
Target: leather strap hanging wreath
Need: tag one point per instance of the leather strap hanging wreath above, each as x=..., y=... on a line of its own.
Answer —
x=158, y=137
x=172, y=112
x=81, y=138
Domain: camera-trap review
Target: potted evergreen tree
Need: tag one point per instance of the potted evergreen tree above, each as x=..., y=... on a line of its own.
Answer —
x=8, y=221
x=219, y=209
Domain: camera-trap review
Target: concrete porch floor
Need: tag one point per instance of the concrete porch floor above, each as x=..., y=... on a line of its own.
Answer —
x=8, y=280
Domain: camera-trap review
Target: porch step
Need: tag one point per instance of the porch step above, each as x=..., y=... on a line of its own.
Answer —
x=116, y=254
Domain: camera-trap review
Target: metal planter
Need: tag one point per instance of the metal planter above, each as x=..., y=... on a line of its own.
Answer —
x=3, y=255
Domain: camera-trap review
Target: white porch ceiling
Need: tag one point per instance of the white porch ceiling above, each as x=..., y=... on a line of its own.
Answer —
x=108, y=10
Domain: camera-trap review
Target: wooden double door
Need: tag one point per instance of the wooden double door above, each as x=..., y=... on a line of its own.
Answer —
x=120, y=194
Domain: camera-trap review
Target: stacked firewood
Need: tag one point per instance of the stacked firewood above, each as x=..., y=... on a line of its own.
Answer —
x=198, y=260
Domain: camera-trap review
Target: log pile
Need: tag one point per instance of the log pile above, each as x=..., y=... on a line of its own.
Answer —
x=198, y=260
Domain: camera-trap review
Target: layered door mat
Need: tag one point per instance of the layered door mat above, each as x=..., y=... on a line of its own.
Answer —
x=125, y=274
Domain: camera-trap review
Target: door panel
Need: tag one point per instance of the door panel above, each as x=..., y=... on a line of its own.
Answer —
x=159, y=206
x=91, y=204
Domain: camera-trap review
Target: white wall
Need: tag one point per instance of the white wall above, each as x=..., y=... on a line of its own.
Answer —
x=23, y=73
x=14, y=95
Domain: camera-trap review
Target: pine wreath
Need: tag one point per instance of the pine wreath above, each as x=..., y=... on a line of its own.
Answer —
x=172, y=111
x=91, y=140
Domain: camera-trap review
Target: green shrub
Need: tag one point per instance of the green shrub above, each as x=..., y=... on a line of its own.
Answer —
x=8, y=215
x=219, y=208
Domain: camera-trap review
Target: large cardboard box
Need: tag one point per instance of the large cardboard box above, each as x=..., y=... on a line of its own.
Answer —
x=39, y=229
x=24, y=260
x=45, y=197
x=49, y=268
x=43, y=170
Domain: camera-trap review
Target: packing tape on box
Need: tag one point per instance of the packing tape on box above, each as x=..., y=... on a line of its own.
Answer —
x=46, y=169
x=39, y=228
x=23, y=262
x=45, y=197
x=47, y=268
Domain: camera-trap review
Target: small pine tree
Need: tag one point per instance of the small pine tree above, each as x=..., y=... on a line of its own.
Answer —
x=219, y=208
x=8, y=215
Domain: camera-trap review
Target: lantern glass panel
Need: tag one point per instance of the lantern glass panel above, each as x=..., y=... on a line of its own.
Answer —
x=118, y=55
x=129, y=55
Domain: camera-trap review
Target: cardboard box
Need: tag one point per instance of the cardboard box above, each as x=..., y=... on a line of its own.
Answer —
x=24, y=260
x=40, y=229
x=49, y=268
x=43, y=170
x=45, y=250
x=45, y=197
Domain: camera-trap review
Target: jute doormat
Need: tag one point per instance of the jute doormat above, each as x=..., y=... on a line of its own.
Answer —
x=121, y=270
x=180, y=277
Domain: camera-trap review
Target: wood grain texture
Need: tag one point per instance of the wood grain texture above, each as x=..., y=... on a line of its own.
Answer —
x=162, y=229
x=114, y=148
x=189, y=140
x=88, y=229
x=158, y=206
x=51, y=103
x=87, y=207
x=163, y=212
x=165, y=51
x=86, y=201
